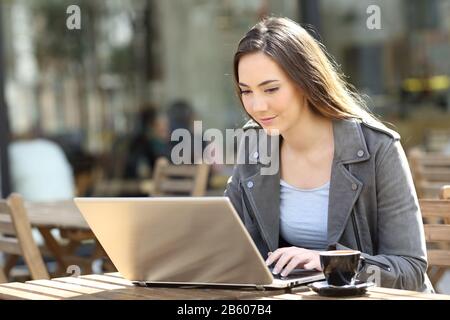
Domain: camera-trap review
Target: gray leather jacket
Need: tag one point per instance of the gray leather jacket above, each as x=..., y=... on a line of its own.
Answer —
x=373, y=205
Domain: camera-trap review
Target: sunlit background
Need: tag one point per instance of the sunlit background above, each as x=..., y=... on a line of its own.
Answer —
x=85, y=88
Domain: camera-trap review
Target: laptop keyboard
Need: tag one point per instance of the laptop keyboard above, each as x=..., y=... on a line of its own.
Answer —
x=295, y=274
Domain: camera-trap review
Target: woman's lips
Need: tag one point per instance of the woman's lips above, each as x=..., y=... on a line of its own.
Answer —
x=267, y=120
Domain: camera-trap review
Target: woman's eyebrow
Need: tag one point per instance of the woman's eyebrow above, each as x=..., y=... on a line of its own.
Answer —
x=259, y=85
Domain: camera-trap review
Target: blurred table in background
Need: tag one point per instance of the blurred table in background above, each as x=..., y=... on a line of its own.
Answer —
x=74, y=231
x=56, y=214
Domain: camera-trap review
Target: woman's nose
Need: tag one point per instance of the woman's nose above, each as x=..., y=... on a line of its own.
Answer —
x=259, y=105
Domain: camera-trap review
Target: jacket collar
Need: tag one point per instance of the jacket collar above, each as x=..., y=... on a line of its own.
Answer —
x=349, y=143
x=263, y=191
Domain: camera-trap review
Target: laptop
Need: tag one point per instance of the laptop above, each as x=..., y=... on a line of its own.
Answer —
x=181, y=240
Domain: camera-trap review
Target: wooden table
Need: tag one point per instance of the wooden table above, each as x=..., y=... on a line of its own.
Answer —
x=112, y=286
x=57, y=214
x=65, y=216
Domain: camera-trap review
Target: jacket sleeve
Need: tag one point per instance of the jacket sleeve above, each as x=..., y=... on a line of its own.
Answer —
x=401, y=239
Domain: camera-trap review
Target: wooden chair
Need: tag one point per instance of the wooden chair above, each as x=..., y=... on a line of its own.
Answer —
x=445, y=192
x=173, y=180
x=76, y=239
x=436, y=216
x=431, y=171
x=16, y=237
x=436, y=139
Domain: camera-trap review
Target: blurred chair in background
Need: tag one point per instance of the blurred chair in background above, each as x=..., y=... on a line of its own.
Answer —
x=437, y=140
x=16, y=238
x=184, y=179
x=445, y=192
x=430, y=170
x=436, y=218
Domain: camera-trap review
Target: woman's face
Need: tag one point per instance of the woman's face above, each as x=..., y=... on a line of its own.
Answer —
x=268, y=94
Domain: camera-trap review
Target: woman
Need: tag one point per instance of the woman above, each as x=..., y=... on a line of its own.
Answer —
x=344, y=180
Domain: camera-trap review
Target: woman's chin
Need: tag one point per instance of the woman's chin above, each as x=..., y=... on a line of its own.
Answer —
x=272, y=131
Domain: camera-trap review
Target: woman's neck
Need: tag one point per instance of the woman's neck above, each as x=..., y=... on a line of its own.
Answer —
x=311, y=132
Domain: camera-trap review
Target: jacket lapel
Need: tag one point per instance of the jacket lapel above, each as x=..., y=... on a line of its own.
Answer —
x=263, y=193
x=266, y=208
x=349, y=148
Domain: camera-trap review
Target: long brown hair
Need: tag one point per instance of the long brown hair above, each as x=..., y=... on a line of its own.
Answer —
x=307, y=63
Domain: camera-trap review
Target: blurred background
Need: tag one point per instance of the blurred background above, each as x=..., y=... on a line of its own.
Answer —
x=92, y=105
x=86, y=89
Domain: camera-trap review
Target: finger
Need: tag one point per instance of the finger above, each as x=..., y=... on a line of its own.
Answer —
x=280, y=264
x=295, y=261
x=268, y=255
x=311, y=265
x=284, y=259
x=275, y=255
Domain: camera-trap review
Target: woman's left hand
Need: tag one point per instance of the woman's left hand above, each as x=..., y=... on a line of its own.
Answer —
x=291, y=258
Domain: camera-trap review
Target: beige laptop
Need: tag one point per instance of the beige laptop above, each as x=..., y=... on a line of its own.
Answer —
x=181, y=240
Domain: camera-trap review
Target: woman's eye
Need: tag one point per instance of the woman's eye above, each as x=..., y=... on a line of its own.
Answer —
x=271, y=90
x=244, y=92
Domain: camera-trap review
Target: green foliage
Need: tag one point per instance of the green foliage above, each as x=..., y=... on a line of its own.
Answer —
x=121, y=61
